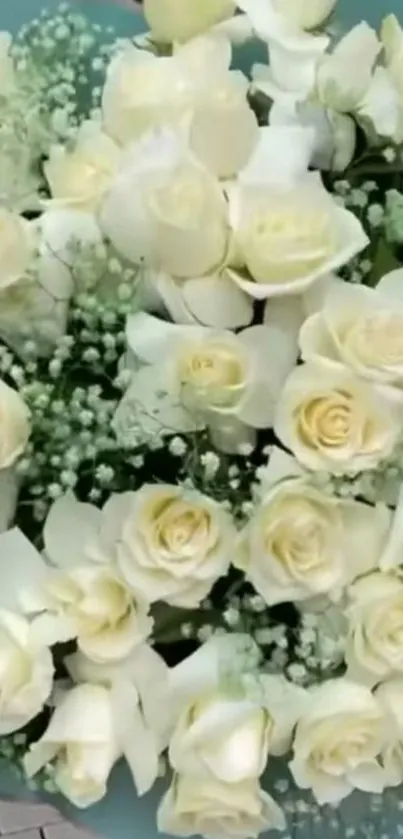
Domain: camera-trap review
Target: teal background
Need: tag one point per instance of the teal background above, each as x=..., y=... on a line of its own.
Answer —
x=122, y=815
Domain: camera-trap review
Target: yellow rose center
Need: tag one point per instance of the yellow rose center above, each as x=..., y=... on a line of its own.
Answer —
x=212, y=376
x=99, y=603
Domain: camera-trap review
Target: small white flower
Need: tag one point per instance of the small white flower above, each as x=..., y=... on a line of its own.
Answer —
x=338, y=742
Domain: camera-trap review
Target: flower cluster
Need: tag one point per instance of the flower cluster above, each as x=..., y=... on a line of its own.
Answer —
x=201, y=410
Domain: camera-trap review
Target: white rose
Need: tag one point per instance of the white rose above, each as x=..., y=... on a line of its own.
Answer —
x=375, y=643
x=335, y=422
x=14, y=425
x=79, y=178
x=305, y=14
x=192, y=377
x=299, y=543
x=229, y=737
x=138, y=691
x=167, y=197
x=360, y=328
x=288, y=231
x=142, y=91
x=223, y=737
x=94, y=605
x=181, y=20
x=344, y=77
x=214, y=809
x=338, y=741
x=171, y=544
x=81, y=740
x=26, y=669
x=390, y=695
x=83, y=594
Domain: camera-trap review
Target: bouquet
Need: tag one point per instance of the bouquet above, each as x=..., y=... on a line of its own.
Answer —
x=201, y=412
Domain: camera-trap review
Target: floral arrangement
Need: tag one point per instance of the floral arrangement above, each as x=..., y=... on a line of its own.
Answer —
x=201, y=411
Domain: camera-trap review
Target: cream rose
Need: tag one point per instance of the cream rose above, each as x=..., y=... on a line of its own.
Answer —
x=211, y=808
x=361, y=328
x=94, y=605
x=14, y=425
x=224, y=130
x=305, y=14
x=167, y=197
x=186, y=377
x=181, y=20
x=375, y=642
x=288, y=232
x=229, y=738
x=26, y=669
x=335, y=422
x=83, y=595
x=223, y=737
x=142, y=92
x=300, y=544
x=82, y=742
x=390, y=695
x=79, y=178
x=171, y=544
x=338, y=742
